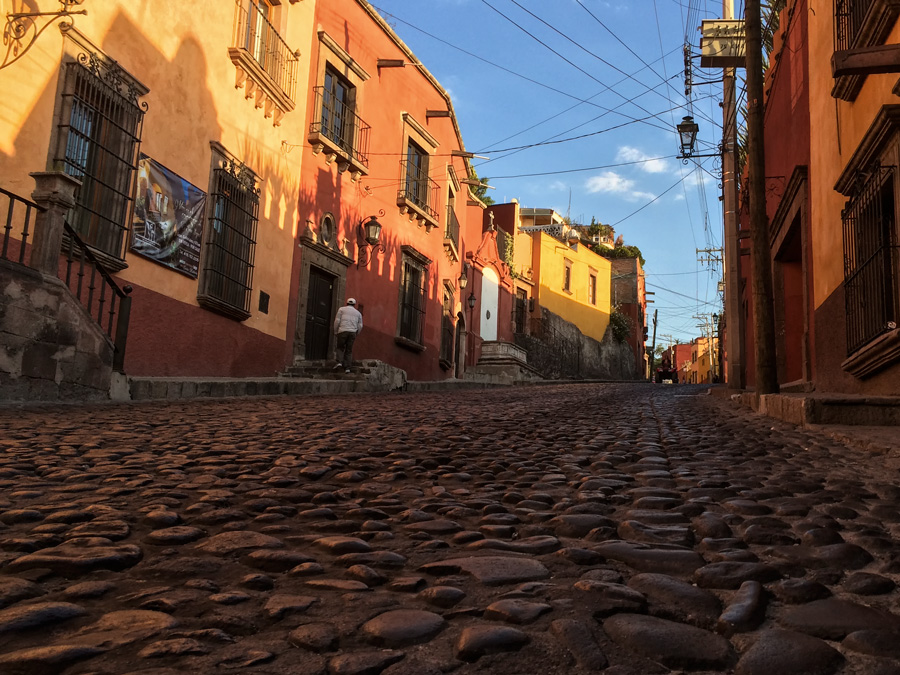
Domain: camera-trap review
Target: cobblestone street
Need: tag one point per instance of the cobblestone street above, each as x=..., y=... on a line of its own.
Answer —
x=626, y=529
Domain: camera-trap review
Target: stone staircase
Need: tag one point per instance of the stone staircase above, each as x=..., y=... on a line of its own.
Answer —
x=374, y=372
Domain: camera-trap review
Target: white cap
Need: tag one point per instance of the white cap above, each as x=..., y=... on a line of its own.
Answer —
x=351, y=301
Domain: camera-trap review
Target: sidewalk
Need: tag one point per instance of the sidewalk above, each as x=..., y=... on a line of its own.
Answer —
x=865, y=422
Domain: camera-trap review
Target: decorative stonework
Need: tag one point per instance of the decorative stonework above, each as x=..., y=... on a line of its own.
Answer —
x=259, y=86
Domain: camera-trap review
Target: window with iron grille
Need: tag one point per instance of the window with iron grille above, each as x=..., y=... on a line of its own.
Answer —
x=337, y=110
x=592, y=289
x=226, y=277
x=417, y=182
x=870, y=258
x=98, y=143
x=412, y=301
x=567, y=276
x=521, y=308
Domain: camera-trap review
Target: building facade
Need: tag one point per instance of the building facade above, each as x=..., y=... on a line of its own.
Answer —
x=245, y=179
x=834, y=224
x=382, y=145
x=175, y=135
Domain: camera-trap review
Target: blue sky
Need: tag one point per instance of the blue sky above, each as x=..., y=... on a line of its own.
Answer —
x=575, y=102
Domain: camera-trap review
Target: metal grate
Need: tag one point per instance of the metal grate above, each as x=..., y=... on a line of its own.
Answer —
x=520, y=310
x=870, y=258
x=451, y=229
x=227, y=274
x=255, y=33
x=849, y=17
x=100, y=134
x=340, y=125
x=416, y=186
x=412, y=302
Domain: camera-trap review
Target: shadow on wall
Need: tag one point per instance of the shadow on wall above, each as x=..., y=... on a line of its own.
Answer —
x=558, y=350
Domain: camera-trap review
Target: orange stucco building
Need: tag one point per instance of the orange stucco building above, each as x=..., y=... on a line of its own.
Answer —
x=174, y=129
x=831, y=189
x=228, y=172
x=383, y=142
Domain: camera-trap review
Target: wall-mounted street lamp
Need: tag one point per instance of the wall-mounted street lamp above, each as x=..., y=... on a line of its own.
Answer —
x=368, y=238
x=472, y=300
x=20, y=24
x=463, y=280
x=687, y=137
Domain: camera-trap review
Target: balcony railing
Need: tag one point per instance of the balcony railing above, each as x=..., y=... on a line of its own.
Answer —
x=849, y=17
x=418, y=190
x=451, y=229
x=18, y=220
x=338, y=125
x=98, y=292
x=255, y=34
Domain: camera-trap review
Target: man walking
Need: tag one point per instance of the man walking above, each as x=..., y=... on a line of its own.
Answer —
x=347, y=324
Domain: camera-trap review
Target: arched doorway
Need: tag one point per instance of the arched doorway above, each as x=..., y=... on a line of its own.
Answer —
x=490, y=301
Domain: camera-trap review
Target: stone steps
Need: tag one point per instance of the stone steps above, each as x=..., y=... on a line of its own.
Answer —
x=327, y=370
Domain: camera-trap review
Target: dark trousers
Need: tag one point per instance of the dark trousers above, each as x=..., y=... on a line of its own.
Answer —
x=345, y=347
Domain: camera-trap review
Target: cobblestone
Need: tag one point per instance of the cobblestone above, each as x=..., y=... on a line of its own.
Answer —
x=645, y=530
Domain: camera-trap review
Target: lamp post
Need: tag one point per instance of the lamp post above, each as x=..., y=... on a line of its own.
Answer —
x=687, y=137
x=368, y=235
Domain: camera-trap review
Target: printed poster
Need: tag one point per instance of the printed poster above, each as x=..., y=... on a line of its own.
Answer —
x=168, y=218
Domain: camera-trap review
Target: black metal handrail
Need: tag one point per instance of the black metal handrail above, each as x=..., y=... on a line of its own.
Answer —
x=418, y=189
x=16, y=218
x=337, y=122
x=116, y=319
x=255, y=34
x=849, y=16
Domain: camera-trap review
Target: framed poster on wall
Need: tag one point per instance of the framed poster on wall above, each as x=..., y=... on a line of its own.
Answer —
x=168, y=218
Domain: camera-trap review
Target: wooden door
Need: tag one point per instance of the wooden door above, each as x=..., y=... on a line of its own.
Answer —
x=318, y=314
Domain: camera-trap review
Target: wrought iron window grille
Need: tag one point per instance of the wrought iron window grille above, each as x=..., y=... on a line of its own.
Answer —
x=101, y=122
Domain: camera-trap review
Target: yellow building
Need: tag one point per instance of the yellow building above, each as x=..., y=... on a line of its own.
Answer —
x=701, y=363
x=176, y=130
x=573, y=283
x=549, y=271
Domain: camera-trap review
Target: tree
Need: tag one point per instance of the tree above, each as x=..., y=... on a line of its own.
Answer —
x=480, y=191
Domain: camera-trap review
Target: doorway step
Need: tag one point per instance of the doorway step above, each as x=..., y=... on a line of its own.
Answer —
x=372, y=371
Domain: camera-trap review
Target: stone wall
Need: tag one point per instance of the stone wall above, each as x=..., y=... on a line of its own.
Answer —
x=50, y=348
x=558, y=350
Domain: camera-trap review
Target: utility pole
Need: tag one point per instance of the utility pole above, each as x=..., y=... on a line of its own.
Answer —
x=734, y=311
x=653, y=348
x=710, y=256
x=761, y=264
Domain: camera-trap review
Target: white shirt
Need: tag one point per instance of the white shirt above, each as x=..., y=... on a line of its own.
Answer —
x=348, y=320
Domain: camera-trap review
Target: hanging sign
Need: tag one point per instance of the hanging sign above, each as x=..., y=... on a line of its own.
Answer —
x=722, y=44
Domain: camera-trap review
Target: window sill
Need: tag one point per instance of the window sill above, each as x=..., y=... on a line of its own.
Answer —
x=223, y=308
x=878, y=354
x=259, y=84
x=417, y=212
x=406, y=343
x=445, y=364
x=333, y=152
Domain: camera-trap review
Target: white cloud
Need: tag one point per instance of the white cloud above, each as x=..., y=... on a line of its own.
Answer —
x=558, y=186
x=609, y=182
x=648, y=164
